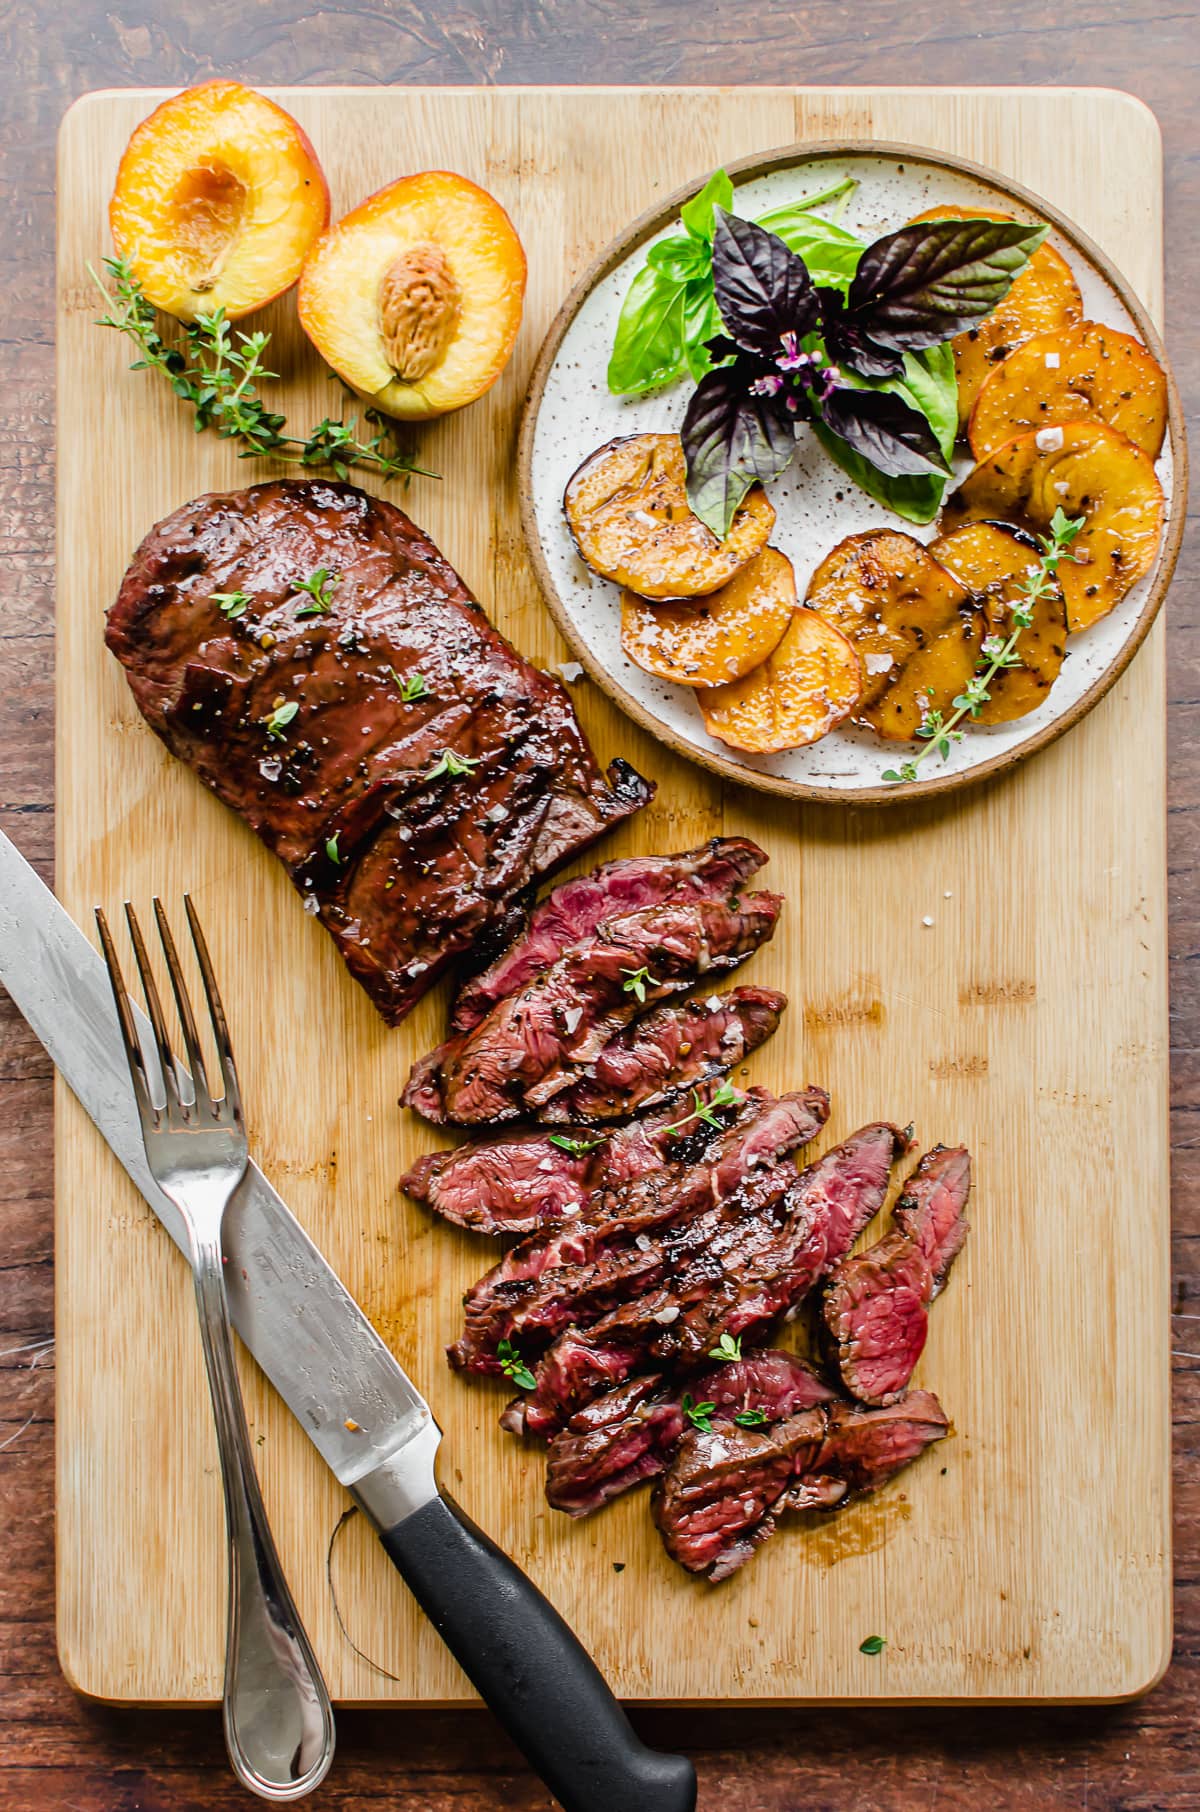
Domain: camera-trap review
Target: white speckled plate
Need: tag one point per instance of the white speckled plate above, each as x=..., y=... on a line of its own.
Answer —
x=570, y=413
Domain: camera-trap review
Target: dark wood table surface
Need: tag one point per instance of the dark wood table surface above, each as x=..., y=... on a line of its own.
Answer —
x=60, y=1755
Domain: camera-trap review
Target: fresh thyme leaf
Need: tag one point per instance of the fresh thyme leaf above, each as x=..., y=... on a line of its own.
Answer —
x=512, y=1365
x=750, y=1418
x=872, y=1645
x=412, y=688
x=332, y=850
x=450, y=763
x=320, y=587
x=698, y=1414
x=578, y=1148
x=218, y=374
x=638, y=981
x=725, y=1096
x=231, y=604
x=280, y=718
x=727, y=1349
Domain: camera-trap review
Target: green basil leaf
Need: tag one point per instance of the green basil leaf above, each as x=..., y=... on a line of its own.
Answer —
x=697, y=214
x=829, y=251
x=701, y=322
x=680, y=257
x=648, y=348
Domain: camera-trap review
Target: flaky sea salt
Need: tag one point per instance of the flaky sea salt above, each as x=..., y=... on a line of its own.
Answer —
x=312, y=905
x=571, y=1018
x=1049, y=440
x=877, y=663
x=666, y=1316
x=1052, y=361
x=927, y=921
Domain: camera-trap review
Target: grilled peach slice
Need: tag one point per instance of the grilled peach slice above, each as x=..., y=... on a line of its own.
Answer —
x=1088, y=470
x=1074, y=374
x=218, y=198
x=995, y=562
x=415, y=297
x=808, y=686
x=628, y=510
x=1043, y=297
x=715, y=639
x=888, y=594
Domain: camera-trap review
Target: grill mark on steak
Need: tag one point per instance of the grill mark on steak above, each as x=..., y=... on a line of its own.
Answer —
x=723, y=1493
x=762, y=1262
x=668, y=1051
x=717, y=870
x=424, y=867
x=628, y=1435
x=533, y=1044
x=875, y=1313
x=629, y=1237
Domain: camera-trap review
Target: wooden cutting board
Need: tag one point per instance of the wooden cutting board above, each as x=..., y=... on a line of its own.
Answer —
x=993, y=967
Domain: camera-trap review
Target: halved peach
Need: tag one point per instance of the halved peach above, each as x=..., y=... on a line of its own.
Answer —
x=1087, y=470
x=1071, y=375
x=1044, y=296
x=415, y=296
x=808, y=686
x=710, y=641
x=218, y=198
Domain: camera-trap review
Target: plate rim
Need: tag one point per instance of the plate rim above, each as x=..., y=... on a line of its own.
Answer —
x=660, y=215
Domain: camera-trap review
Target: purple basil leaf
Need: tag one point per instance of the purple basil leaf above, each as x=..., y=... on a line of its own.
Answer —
x=934, y=278
x=897, y=440
x=849, y=344
x=720, y=347
x=731, y=440
x=763, y=290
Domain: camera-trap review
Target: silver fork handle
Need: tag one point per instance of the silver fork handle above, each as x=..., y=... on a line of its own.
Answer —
x=278, y=1718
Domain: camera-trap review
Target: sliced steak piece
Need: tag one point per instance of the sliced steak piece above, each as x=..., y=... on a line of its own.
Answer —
x=670, y=1050
x=628, y=1238
x=724, y=1490
x=292, y=710
x=517, y=1181
x=875, y=1313
x=629, y=1434
x=533, y=1044
x=760, y=1264
x=718, y=870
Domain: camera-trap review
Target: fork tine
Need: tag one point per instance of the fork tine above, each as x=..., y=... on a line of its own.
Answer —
x=153, y=1008
x=195, y=1055
x=216, y=1010
x=129, y=1037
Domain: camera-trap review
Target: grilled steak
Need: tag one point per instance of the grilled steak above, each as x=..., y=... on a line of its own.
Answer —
x=628, y=1435
x=533, y=1044
x=771, y=1248
x=668, y=1051
x=721, y=1496
x=629, y=1237
x=718, y=870
x=290, y=704
x=875, y=1312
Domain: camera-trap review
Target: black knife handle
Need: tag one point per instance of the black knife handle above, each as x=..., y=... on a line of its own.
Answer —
x=535, y=1675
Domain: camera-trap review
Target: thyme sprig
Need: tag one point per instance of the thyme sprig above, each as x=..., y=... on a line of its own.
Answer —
x=998, y=652
x=725, y=1096
x=514, y=1367
x=218, y=372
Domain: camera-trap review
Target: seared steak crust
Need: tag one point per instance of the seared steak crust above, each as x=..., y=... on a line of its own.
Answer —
x=292, y=711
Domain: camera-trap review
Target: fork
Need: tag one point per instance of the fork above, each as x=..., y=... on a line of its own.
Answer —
x=276, y=1710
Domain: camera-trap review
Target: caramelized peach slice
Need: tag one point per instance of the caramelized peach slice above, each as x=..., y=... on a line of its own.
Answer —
x=996, y=563
x=415, y=297
x=715, y=639
x=1043, y=297
x=1086, y=470
x=808, y=686
x=218, y=198
x=628, y=510
x=1074, y=374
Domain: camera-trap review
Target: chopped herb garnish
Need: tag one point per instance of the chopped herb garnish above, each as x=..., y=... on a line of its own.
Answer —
x=320, y=587
x=513, y=1366
x=725, y=1096
x=637, y=983
x=940, y=732
x=280, y=718
x=231, y=603
x=750, y=1418
x=728, y=1348
x=332, y=850
x=872, y=1645
x=578, y=1148
x=450, y=763
x=412, y=688
x=698, y=1414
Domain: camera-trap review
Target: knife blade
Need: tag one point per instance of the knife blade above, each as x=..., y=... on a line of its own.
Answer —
x=363, y=1414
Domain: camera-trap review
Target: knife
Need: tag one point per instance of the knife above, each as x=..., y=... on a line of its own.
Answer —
x=360, y=1410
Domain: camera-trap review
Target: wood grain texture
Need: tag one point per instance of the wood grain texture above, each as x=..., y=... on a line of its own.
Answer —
x=61, y=1752
x=919, y=993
